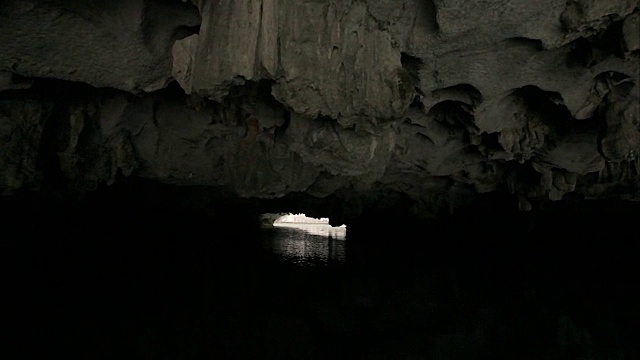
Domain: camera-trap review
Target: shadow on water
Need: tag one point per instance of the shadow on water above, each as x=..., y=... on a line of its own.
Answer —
x=130, y=282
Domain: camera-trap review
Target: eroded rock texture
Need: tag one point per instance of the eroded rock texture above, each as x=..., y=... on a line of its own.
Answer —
x=121, y=44
x=434, y=99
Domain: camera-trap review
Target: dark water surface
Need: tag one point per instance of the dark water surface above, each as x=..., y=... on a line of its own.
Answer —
x=304, y=245
x=98, y=284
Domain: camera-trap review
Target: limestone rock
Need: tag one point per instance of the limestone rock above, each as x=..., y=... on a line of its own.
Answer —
x=22, y=124
x=630, y=31
x=589, y=16
x=342, y=100
x=621, y=139
x=120, y=44
x=328, y=59
x=96, y=147
x=220, y=145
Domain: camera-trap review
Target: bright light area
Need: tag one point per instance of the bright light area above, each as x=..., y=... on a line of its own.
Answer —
x=313, y=226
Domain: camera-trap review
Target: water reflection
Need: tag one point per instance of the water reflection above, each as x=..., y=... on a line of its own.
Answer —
x=306, y=245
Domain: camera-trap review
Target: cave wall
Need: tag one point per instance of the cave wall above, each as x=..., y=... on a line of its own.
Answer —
x=358, y=103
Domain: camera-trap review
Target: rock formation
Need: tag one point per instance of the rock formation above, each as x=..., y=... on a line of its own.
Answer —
x=358, y=101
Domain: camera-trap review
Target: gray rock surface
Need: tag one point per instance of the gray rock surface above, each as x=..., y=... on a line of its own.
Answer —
x=120, y=44
x=434, y=99
x=22, y=123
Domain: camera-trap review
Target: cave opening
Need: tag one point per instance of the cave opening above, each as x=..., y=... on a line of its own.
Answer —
x=303, y=240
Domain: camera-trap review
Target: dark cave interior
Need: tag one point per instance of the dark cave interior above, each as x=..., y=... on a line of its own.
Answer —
x=486, y=166
x=151, y=270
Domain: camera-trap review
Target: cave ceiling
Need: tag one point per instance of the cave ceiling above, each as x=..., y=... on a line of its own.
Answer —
x=431, y=99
